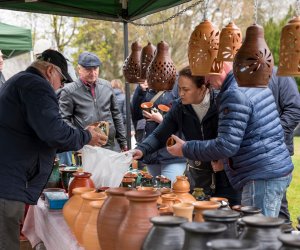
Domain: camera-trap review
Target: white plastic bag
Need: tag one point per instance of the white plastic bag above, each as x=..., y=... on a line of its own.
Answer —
x=107, y=167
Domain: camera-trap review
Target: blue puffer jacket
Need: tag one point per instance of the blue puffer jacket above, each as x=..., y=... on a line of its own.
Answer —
x=249, y=134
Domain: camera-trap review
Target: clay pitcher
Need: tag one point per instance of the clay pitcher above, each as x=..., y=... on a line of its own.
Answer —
x=110, y=217
x=81, y=179
x=200, y=206
x=181, y=187
x=136, y=224
x=73, y=205
x=84, y=213
x=90, y=235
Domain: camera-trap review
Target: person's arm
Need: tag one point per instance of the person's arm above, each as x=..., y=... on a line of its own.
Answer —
x=138, y=98
x=66, y=107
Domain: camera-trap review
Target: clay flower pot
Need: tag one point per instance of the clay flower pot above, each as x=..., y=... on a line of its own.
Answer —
x=81, y=179
x=200, y=206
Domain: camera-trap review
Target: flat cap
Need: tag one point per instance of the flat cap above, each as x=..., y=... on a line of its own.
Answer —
x=88, y=59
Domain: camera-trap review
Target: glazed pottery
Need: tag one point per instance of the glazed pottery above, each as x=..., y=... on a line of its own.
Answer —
x=198, y=234
x=136, y=224
x=147, y=56
x=231, y=244
x=199, y=194
x=289, y=241
x=184, y=210
x=81, y=179
x=165, y=234
x=110, y=217
x=73, y=205
x=263, y=230
x=132, y=66
x=227, y=217
x=200, y=206
x=84, y=213
x=90, y=235
x=181, y=187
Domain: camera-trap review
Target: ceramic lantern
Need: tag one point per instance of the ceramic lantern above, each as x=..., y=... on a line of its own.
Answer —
x=253, y=63
x=132, y=67
x=147, y=56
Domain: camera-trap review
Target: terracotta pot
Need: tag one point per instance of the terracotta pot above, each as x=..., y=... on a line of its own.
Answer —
x=163, y=109
x=84, y=213
x=136, y=224
x=110, y=217
x=198, y=234
x=230, y=244
x=90, y=235
x=166, y=233
x=147, y=56
x=147, y=106
x=200, y=206
x=73, y=205
x=223, y=201
x=81, y=179
x=169, y=200
x=181, y=187
x=289, y=241
x=184, y=210
x=128, y=182
x=132, y=66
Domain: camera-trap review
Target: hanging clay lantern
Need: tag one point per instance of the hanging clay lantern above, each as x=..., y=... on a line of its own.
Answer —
x=132, y=67
x=253, y=62
x=161, y=73
x=146, y=58
x=203, y=48
x=289, y=52
x=230, y=42
x=216, y=67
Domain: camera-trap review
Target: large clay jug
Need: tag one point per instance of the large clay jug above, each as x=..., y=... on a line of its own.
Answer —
x=81, y=179
x=90, y=235
x=84, y=213
x=73, y=205
x=181, y=187
x=136, y=224
x=110, y=217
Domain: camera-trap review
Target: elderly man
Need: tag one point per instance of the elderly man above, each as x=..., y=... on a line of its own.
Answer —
x=31, y=131
x=91, y=99
x=2, y=79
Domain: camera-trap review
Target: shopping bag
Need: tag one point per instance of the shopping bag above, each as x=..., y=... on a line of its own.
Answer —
x=107, y=167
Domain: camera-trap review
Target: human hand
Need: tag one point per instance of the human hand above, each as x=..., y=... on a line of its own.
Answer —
x=98, y=139
x=136, y=154
x=176, y=149
x=217, y=165
x=153, y=116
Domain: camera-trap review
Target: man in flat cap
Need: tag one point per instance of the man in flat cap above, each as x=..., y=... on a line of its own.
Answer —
x=91, y=99
x=31, y=132
x=2, y=79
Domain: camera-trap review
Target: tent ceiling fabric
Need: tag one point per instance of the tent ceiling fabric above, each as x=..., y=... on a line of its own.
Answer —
x=96, y=9
x=14, y=40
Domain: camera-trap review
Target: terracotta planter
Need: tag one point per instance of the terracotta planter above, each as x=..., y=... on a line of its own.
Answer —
x=81, y=179
x=73, y=205
x=84, y=213
x=110, y=217
x=181, y=187
x=200, y=206
x=90, y=235
x=136, y=224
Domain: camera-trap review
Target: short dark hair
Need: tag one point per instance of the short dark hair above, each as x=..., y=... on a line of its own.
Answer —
x=198, y=80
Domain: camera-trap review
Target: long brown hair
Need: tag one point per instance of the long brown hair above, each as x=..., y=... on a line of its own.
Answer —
x=198, y=80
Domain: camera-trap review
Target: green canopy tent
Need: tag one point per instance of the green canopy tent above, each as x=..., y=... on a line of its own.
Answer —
x=14, y=40
x=111, y=10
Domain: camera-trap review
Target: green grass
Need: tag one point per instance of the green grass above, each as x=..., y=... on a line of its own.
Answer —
x=293, y=193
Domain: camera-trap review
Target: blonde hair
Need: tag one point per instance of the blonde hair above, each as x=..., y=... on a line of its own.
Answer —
x=117, y=84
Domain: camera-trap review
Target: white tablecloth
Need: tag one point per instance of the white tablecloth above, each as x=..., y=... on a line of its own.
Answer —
x=49, y=227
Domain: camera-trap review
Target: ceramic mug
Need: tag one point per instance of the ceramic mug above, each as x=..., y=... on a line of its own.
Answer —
x=147, y=106
x=163, y=109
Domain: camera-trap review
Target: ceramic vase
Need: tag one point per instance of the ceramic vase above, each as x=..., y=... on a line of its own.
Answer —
x=166, y=233
x=110, y=217
x=136, y=224
x=181, y=187
x=81, y=179
x=200, y=206
x=73, y=205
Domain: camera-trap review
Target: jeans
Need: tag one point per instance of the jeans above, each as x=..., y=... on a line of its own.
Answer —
x=170, y=170
x=266, y=194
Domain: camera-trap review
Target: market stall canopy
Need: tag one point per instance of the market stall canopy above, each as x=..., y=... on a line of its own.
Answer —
x=112, y=10
x=14, y=40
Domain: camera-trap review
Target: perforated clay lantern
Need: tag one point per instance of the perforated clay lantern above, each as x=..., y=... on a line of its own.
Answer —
x=161, y=73
x=203, y=48
x=289, y=52
x=132, y=65
x=253, y=62
x=147, y=56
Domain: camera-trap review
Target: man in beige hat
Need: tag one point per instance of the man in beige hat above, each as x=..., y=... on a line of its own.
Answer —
x=2, y=79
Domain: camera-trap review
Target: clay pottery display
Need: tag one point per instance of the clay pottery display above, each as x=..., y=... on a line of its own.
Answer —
x=198, y=234
x=253, y=62
x=181, y=187
x=81, y=179
x=223, y=201
x=231, y=244
x=200, y=206
x=147, y=56
x=289, y=241
x=136, y=224
x=164, y=210
x=73, y=205
x=165, y=234
x=203, y=48
x=263, y=230
x=250, y=210
x=161, y=73
x=227, y=217
x=289, y=49
x=184, y=210
x=230, y=42
x=85, y=212
x=128, y=182
x=169, y=200
x=132, y=64
x=54, y=179
x=110, y=217
x=147, y=180
x=90, y=235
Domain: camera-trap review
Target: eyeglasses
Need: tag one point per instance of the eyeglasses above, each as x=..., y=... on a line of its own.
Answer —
x=64, y=79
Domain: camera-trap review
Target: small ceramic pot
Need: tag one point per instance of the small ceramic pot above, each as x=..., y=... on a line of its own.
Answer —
x=81, y=179
x=163, y=109
x=147, y=106
x=184, y=210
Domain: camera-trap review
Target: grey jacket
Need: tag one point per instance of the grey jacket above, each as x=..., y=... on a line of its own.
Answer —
x=79, y=109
